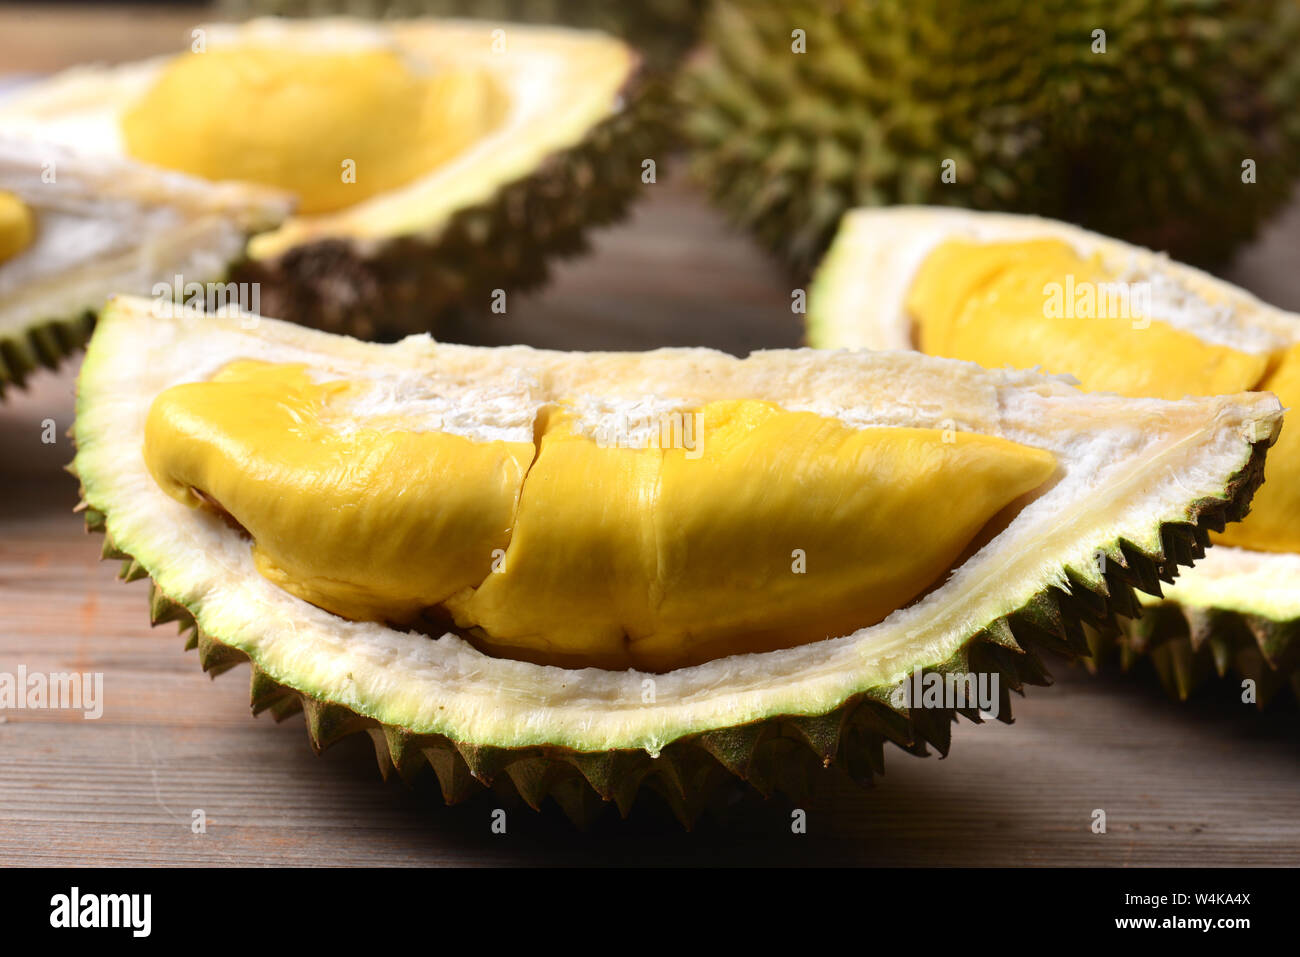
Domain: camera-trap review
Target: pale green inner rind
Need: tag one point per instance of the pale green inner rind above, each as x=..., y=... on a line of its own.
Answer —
x=1129, y=466
x=1237, y=579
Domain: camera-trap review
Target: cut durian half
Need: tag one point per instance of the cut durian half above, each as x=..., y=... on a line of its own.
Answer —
x=1239, y=608
x=76, y=228
x=434, y=161
x=1138, y=482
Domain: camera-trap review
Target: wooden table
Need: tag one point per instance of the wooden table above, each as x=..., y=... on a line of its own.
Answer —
x=1210, y=782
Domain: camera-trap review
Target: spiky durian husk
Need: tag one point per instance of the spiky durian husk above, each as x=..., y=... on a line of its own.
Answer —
x=784, y=754
x=662, y=29
x=1187, y=647
x=45, y=345
x=1145, y=141
x=416, y=283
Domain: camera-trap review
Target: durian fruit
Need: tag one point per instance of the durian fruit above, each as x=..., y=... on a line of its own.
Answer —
x=434, y=162
x=1006, y=290
x=661, y=29
x=74, y=229
x=574, y=574
x=1175, y=125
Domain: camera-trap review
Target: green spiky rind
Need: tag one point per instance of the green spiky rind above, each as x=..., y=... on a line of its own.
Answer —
x=415, y=283
x=1013, y=94
x=662, y=29
x=777, y=754
x=1188, y=647
x=44, y=345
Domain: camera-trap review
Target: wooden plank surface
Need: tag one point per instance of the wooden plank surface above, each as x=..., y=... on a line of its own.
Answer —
x=1212, y=782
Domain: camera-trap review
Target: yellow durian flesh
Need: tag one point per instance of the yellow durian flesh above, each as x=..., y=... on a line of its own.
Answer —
x=369, y=524
x=789, y=527
x=776, y=528
x=997, y=304
x=1273, y=524
x=988, y=303
x=17, y=226
x=333, y=127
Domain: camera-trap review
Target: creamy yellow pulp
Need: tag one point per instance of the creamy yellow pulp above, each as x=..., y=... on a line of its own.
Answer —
x=770, y=528
x=1027, y=304
x=17, y=226
x=333, y=128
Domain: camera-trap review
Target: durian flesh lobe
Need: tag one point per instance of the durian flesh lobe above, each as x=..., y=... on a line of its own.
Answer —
x=17, y=226
x=1171, y=472
x=332, y=128
x=574, y=553
x=1005, y=304
x=1020, y=292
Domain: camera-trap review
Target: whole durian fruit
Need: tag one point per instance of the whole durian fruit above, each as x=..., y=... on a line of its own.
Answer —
x=1134, y=118
x=662, y=29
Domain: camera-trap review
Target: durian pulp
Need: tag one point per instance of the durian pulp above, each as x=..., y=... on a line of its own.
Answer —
x=1025, y=304
x=761, y=528
x=17, y=226
x=333, y=128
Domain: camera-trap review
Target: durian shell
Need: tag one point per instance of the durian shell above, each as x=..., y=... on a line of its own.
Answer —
x=661, y=29
x=998, y=105
x=416, y=283
x=389, y=281
x=44, y=345
x=781, y=752
x=784, y=754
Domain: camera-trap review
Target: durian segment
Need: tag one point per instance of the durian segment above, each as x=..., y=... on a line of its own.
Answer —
x=1132, y=474
x=858, y=296
x=868, y=293
x=17, y=226
x=332, y=128
x=553, y=86
x=786, y=528
x=372, y=523
x=82, y=227
x=1040, y=303
x=682, y=550
x=1273, y=524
